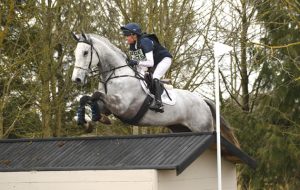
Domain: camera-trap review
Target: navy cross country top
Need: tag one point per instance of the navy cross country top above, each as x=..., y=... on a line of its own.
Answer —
x=144, y=45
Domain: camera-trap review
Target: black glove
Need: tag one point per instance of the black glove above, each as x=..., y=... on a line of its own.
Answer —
x=132, y=62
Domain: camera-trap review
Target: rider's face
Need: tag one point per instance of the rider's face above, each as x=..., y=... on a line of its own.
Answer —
x=131, y=39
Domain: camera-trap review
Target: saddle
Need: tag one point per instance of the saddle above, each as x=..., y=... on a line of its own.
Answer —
x=148, y=86
x=149, y=81
x=167, y=96
x=165, y=83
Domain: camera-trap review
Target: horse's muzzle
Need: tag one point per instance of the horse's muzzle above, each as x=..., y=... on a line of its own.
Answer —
x=78, y=80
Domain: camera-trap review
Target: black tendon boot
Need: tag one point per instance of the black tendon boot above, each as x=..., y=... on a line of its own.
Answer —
x=157, y=104
x=95, y=111
x=80, y=116
x=81, y=110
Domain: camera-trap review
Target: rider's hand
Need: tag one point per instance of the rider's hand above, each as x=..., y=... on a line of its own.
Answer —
x=132, y=62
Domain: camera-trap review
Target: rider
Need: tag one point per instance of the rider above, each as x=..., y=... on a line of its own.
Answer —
x=146, y=51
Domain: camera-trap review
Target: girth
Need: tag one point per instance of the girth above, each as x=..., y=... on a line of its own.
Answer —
x=139, y=115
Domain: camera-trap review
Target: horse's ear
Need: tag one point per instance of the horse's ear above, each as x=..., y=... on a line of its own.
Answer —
x=75, y=36
x=83, y=35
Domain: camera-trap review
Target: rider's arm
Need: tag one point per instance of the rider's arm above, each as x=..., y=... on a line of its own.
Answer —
x=147, y=46
x=149, y=62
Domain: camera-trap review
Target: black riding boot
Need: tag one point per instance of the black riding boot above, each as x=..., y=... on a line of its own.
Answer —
x=157, y=104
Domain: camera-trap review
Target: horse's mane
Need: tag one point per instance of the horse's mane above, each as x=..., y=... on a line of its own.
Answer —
x=112, y=46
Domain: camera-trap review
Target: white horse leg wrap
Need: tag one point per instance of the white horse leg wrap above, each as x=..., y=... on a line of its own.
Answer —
x=162, y=67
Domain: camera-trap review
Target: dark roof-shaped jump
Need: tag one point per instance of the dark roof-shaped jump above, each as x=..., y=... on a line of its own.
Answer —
x=164, y=151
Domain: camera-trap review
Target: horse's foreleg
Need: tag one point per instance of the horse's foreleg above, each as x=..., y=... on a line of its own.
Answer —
x=96, y=114
x=81, y=110
x=97, y=96
x=98, y=104
x=99, y=111
x=92, y=102
x=104, y=112
x=115, y=104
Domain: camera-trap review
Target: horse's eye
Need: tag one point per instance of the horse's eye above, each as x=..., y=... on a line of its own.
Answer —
x=85, y=53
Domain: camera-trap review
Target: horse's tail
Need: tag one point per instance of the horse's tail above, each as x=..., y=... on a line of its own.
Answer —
x=226, y=130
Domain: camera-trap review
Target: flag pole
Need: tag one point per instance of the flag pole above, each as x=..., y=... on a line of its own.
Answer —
x=219, y=50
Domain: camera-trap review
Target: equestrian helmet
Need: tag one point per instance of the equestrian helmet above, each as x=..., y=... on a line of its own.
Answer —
x=131, y=28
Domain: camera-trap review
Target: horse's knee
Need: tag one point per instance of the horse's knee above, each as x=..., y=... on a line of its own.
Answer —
x=97, y=96
x=84, y=100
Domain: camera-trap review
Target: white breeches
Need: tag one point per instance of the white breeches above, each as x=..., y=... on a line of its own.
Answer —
x=162, y=67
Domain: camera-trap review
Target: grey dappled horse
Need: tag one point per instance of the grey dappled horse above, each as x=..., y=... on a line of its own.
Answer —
x=123, y=95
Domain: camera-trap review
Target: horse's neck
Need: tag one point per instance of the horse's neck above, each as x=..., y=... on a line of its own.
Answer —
x=110, y=58
x=113, y=64
x=124, y=93
x=109, y=52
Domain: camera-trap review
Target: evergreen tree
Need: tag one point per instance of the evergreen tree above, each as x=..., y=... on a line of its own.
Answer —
x=272, y=131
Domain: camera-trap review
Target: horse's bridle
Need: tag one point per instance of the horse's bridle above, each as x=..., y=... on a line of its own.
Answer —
x=90, y=70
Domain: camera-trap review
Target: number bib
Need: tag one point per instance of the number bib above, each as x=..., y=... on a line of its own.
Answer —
x=137, y=55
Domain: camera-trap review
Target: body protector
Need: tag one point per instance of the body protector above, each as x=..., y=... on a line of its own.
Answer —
x=147, y=43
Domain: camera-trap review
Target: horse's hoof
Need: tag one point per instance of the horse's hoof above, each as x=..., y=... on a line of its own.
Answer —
x=105, y=120
x=88, y=127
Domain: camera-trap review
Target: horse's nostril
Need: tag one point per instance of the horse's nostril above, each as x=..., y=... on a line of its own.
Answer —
x=78, y=80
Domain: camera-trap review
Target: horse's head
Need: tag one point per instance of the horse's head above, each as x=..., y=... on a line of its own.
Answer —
x=86, y=58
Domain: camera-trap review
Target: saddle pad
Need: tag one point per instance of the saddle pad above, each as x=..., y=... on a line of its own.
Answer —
x=164, y=97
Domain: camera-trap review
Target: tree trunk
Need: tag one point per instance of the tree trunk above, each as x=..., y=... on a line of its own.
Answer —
x=45, y=70
x=1, y=121
x=9, y=19
x=59, y=95
x=243, y=65
x=45, y=109
x=3, y=32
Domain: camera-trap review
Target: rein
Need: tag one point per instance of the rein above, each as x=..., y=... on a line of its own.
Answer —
x=137, y=75
x=91, y=59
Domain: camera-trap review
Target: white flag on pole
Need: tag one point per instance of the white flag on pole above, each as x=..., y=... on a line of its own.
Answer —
x=221, y=49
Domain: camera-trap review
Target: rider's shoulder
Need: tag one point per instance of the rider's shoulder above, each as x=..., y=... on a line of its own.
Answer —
x=152, y=37
x=146, y=42
x=145, y=39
